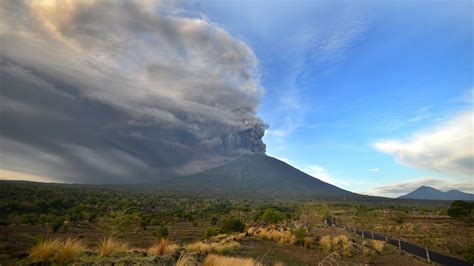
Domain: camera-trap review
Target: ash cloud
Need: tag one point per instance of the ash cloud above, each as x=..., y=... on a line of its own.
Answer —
x=122, y=91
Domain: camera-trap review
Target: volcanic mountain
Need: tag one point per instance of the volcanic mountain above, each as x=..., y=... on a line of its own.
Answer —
x=429, y=193
x=255, y=176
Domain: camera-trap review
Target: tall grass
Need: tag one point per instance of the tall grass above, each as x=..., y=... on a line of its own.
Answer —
x=69, y=251
x=216, y=260
x=44, y=250
x=326, y=243
x=281, y=237
x=219, y=247
x=340, y=242
x=61, y=252
x=378, y=245
x=110, y=246
x=164, y=247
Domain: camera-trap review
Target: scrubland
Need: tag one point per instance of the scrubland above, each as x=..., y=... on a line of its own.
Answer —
x=63, y=225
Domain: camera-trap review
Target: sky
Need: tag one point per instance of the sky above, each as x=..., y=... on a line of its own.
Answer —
x=374, y=97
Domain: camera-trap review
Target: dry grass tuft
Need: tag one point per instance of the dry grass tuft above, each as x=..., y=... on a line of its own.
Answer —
x=378, y=245
x=340, y=242
x=216, y=260
x=278, y=263
x=110, y=247
x=69, y=251
x=164, y=247
x=281, y=237
x=366, y=252
x=307, y=241
x=44, y=250
x=326, y=243
x=186, y=259
x=219, y=247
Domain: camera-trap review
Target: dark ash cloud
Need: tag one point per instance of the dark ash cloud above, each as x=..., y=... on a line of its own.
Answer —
x=122, y=91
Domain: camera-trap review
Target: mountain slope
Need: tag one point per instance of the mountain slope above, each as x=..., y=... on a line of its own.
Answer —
x=429, y=193
x=255, y=176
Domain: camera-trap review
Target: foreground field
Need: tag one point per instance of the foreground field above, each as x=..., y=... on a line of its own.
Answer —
x=89, y=225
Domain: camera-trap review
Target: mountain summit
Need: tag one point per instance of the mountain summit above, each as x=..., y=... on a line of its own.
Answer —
x=429, y=193
x=255, y=176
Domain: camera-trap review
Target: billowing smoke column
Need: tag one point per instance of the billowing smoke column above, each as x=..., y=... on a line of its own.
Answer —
x=122, y=91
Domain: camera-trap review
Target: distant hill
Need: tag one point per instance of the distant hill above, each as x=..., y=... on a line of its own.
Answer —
x=429, y=193
x=255, y=176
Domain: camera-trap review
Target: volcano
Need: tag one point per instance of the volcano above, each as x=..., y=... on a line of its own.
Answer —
x=255, y=176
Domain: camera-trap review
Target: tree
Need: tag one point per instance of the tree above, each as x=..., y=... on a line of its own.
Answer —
x=272, y=216
x=460, y=208
x=211, y=231
x=161, y=233
x=57, y=224
x=232, y=225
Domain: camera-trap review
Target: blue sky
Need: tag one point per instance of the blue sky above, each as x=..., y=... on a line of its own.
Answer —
x=373, y=96
x=341, y=76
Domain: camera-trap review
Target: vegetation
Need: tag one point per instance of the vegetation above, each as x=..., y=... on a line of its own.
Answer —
x=232, y=225
x=115, y=223
x=460, y=208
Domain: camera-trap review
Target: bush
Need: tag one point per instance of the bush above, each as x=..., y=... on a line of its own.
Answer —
x=300, y=234
x=469, y=256
x=460, y=208
x=232, y=225
x=272, y=216
x=161, y=233
x=211, y=231
x=56, y=225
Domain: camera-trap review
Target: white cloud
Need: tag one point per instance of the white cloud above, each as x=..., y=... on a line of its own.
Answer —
x=402, y=188
x=318, y=172
x=447, y=148
x=375, y=170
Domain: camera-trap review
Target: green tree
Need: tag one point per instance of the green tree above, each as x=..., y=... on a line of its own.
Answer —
x=460, y=208
x=272, y=216
x=232, y=225
x=161, y=233
x=211, y=231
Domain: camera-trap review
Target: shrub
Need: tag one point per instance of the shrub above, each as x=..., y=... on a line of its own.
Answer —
x=300, y=234
x=69, y=251
x=211, y=231
x=460, y=208
x=163, y=248
x=161, y=232
x=469, y=255
x=232, y=225
x=44, y=250
x=215, y=260
x=110, y=247
x=326, y=243
x=56, y=225
x=272, y=216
